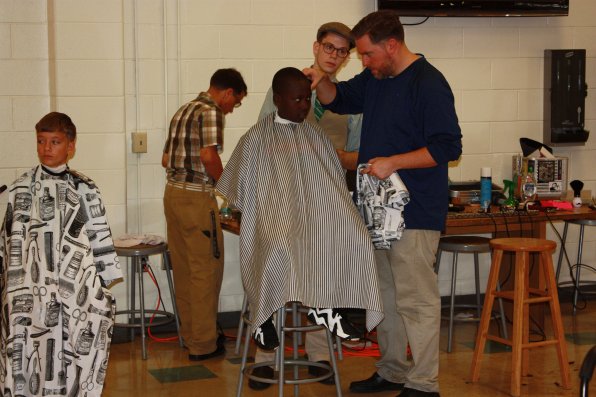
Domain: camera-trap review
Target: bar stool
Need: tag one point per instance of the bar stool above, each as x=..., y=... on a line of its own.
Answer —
x=137, y=253
x=280, y=362
x=577, y=282
x=522, y=297
x=242, y=320
x=465, y=244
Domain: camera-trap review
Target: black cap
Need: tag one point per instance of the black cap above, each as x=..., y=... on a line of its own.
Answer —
x=339, y=29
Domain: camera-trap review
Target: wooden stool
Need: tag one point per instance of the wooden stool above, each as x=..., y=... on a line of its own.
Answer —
x=521, y=297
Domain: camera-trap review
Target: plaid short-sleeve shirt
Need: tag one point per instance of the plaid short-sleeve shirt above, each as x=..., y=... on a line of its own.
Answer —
x=196, y=125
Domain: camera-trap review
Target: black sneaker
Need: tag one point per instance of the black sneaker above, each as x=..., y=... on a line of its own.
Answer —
x=334, y=322
x=261, y=372
x=265, y=336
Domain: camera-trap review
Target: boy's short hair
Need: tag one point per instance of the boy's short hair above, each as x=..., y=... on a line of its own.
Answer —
x=56, y=121
x=223, y=79
x=285, y=76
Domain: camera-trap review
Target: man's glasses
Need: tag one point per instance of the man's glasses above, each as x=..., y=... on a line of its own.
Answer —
x=238, y=99
x=330, y=48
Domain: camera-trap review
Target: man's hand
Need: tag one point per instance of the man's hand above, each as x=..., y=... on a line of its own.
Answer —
x=314, y=75
x=380, y=167
x=320, y=81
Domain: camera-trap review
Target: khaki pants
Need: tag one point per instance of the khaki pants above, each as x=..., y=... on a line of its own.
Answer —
x=412, y=308
x=197, y=255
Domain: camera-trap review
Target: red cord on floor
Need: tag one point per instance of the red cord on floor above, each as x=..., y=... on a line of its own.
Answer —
x=156, y=338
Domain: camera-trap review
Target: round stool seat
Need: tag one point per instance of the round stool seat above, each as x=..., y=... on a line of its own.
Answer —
x=142, y=250
x=464, y=244
x=585, y=222
x=523, y=244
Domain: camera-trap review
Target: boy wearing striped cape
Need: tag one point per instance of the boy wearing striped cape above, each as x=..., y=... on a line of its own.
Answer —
x=301, y=237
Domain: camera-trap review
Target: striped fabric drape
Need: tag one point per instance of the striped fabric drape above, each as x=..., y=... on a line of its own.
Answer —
x=301, y=237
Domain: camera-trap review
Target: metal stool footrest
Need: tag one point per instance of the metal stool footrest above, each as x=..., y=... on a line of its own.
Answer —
x=293, y=362
x=495, y=315
x=163, y=319
x=289, y=365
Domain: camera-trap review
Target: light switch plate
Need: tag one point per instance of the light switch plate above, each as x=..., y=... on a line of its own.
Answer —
x=139, y=142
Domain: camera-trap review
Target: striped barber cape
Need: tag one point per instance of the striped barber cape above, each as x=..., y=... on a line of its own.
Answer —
x=301, y=237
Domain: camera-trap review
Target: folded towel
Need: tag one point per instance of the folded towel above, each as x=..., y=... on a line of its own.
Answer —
x=130, y=240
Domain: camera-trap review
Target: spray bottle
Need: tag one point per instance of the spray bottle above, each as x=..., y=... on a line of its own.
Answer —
x=511, y=203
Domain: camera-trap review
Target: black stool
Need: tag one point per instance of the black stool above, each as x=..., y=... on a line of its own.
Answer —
x=136, y=253
x=281, y=361
x=582, y=223
x=465, y=244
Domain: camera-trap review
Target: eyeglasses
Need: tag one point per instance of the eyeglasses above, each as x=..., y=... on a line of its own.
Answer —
x=330, y=48
x=238, y=99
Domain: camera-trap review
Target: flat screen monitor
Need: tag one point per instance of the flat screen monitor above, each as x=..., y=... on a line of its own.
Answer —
x=477, y=8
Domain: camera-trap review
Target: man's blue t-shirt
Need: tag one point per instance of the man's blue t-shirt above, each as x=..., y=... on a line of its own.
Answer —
x=412, y=110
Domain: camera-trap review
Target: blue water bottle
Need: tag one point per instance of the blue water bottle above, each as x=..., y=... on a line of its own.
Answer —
x=486, y=185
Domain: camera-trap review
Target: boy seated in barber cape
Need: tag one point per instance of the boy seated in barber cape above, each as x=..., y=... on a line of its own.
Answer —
x=56, y=259
x=301, y=237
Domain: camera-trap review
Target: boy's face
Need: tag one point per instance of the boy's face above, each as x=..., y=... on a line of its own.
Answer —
x=53, y=148
x=294, y=102
x=331, y=62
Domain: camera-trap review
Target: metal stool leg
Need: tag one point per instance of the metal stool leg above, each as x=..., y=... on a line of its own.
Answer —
x=438, y=260
x=244, y=359
x=452, y=303
x=340, y=349
x=502, y=311
x=477, y=282
x=132, y=316
x=168, y=267
x=142, y=303
x=295, y=339
x=279, y=355
x=578, y=268
x=561, y=251
x=241, y=324
x=333, y=363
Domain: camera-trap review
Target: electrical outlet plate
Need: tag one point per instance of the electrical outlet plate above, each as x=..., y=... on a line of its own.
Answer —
x=139, y=142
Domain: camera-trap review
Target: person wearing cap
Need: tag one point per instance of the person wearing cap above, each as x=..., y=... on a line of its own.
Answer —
x=331, y=51
x=410, y=126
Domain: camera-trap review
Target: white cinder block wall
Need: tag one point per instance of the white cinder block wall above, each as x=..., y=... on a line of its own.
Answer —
x=119, y=66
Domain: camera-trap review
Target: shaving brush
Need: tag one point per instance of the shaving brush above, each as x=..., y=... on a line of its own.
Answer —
x=577, y=187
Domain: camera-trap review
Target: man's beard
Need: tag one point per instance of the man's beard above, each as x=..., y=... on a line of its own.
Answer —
x=384, y=71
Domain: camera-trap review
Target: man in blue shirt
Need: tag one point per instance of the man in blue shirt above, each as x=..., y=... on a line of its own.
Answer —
x=410, y=127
